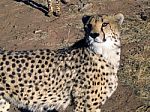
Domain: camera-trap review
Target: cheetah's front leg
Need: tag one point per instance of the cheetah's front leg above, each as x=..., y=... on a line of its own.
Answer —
x=54, y=10
x=50, y=7
x=57, y=11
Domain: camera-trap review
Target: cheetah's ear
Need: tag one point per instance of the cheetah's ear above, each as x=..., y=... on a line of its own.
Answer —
x=85, y=19
x=120, y=18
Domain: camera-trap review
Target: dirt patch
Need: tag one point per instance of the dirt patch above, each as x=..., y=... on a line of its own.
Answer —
x=24, y=26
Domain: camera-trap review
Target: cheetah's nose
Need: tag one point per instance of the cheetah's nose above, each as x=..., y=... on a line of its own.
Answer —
x=94, y=35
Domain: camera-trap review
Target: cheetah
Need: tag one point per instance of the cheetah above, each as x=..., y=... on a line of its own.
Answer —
x=84, y=75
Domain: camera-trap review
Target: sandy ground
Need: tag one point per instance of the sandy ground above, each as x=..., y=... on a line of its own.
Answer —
x=24, y=26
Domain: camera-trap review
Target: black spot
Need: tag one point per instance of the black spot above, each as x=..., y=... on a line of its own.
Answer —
x=88, y=105
x=13, y=60
x=28, y=90
x=42, y=66
x=21, y=85
x=52, y=60
x=8, y=69
x=102, y=67
x=1, y=63
x=13, y=81
x=52, y=81
x=50, y=65
x=1, y=88
x=96, y=103
x=13, y=73
x=7, y=63
x=13, y=65
x=20, y=65
x=29, y=74
x=37, y=56
x=26, y=64
x=36, y=88
x=21, y=56
x=1, y=68
x=35, y=77
x=10, y=57
x=18, y=69
x=47, y=70
x=103, y=73
x=20, y=79
x=16, y=56
x=40, y=61
x=90, y=69
x=22, y=60
x=39, y=71
x=17, y=61
x=25, y=81
x=32, y=61
x=48, y=58
x=11, y=76
x=32, y=66
x=31, y=97
x=41, y=53
x=106, y=74
x=37, y=66
x=11, y=95
x=96, y=91
x=31, y=71
x=19, y=75
x=88, y=97
x=92, y=91
x=106, y=80
x=87, y=76
x=43, y=57
x=28, y=58
x=25, y=98
x=30, y=86
x=40, y=77
x=46, y=62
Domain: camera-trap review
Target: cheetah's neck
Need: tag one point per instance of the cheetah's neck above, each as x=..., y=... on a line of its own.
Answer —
x=109, y=49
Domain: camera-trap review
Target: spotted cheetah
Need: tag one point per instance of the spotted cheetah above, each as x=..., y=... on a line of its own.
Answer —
x=84, y=75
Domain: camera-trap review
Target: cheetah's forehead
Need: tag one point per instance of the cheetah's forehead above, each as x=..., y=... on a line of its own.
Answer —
x=97, y=22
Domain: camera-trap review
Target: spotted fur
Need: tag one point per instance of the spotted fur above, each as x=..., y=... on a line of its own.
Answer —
x=85, y=76
x=54, y=7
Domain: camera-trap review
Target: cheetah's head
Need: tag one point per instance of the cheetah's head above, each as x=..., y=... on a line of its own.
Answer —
x=103, y=35
x=102, y=28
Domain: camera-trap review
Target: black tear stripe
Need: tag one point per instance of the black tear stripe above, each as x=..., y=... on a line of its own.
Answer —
x=113, y=33
x=102, y=29
x=103, y=33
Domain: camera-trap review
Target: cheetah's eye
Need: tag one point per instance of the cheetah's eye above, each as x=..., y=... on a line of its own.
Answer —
x=104, y=24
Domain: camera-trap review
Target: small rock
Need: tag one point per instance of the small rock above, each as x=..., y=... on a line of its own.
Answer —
x=37, y=31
